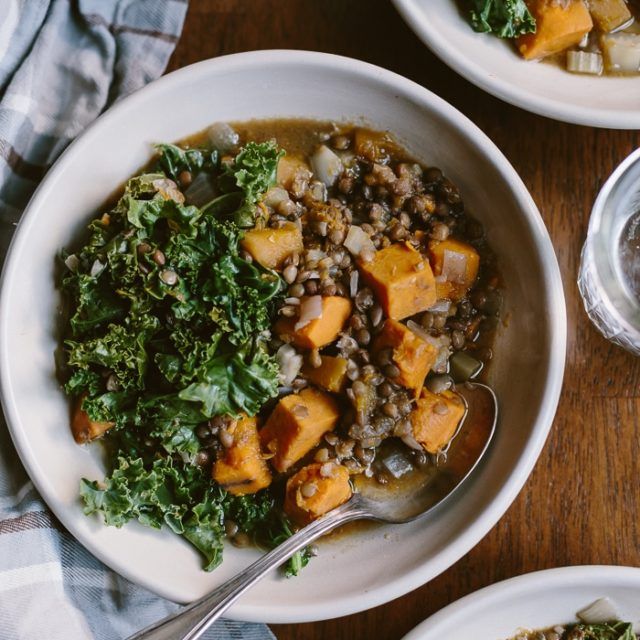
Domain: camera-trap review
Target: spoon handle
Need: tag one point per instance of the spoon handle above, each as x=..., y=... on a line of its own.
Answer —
x=192, y=621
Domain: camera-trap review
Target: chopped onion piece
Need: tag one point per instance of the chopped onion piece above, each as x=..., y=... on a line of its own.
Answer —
x=290, y=363
x=96, y=269
x=441, y=306
x=353, y=283
x=72, y=262
x=275, y=196
x=223, y=137
x=441, y=343
x=454, y=266
x=622, y=52
x=315, y=254
x=168, y=189
x=201, y=191
x=326, y=165
x=358, y=241
x=602, y=610
x=310, y=309
x=584, y=62
x=419, y=331
x=411, y=442
x=397, y=464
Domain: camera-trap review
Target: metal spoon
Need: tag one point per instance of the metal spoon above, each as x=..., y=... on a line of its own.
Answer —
x=468, y=447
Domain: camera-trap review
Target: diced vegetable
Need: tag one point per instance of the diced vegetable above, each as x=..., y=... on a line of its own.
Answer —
x=315, y=490
x=289, y=362
x=223, y=137
x=622, y=52
x=358, y=241
x=291, y=168
x=584, y=62
x=296, y=425
x=463, y=366
x=330, y=375
x=85, y=429
x=442, y=345
x=436, y=418
x=559, y=25
x=240, y=469
x=326, y=165
x=455, y=266
x=401, y=279
x=397, y=464
x=602, y=610
x=271, y=247
x=413, y=356
x=610, y=15
x=322, y=330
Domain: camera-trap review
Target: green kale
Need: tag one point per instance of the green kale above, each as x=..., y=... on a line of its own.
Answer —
x=121, y=350
x=253, y=172
x=239, y=380
x=174, y=160
x=168, y=493
x=504, y=18
x=167, y=330
x=607, y=631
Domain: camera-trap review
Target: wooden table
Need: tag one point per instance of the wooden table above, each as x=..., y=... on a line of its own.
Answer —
x=581, y=505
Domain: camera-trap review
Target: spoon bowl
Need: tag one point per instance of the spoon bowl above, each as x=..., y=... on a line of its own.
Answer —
x=418, y=495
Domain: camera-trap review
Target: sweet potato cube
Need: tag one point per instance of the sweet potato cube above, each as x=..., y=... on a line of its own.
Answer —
x=401, y=279
x=330, y=375
x=292, y=168
x=436, y=418
x=271, y=247
x=609, y=14
x=320, y=331
x=85, y=429
x=410, y=353
x=315, y=490
x=296, y=425
x=460, y=262
x=558, y=27
x=241, y=468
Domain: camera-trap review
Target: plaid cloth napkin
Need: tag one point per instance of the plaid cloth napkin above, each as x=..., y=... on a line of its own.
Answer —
x=62, y=63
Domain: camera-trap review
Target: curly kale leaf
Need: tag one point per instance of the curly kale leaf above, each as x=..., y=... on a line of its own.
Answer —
x=236, y=381
x=243, y=293
x=174, y=160
x=504, y=18
x=166, y=493
x=97, y=304
x=181, y=496
x=606, y=631
x=253, y=173
x=121, y=350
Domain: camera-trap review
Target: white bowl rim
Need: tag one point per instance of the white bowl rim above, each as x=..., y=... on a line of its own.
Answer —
x=474, y=532
x=546, y=579
x=467, y=67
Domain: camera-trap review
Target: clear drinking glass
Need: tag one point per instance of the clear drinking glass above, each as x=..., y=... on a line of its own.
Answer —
x=609, y=278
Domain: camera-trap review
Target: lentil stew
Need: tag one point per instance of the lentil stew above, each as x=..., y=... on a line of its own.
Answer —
x=271, y=311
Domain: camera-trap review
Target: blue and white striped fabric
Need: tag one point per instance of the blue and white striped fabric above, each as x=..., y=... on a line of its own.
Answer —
x=62, y=63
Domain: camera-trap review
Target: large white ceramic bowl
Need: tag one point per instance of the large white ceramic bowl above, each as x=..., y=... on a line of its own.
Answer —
x=376, y=565
x=493, y=65
x=534, y=601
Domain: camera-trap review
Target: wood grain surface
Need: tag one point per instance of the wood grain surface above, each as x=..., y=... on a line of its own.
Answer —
x=581, y=505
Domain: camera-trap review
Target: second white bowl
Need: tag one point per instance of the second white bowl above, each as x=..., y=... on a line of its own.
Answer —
x=375, y=565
